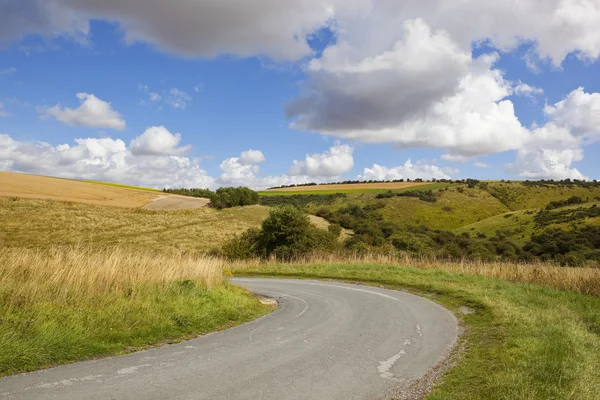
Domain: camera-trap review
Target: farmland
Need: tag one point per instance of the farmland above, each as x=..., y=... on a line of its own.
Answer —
x=41, y=187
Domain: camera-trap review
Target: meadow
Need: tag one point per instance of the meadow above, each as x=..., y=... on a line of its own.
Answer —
x=59, y=305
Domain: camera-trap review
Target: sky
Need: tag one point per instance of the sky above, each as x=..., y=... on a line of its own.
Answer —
x=262, y=93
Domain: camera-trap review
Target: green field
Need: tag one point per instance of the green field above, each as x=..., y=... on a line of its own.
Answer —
x=522, y=341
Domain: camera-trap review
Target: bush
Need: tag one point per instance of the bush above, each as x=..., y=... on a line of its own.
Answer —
x=287, y=234
x=233, y=197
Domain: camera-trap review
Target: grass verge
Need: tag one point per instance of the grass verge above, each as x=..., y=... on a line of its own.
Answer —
x=524, y=341
x=58, y=306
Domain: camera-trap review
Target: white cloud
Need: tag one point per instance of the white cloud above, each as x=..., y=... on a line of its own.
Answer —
x=536, y=163
x=237, y=173
x=406, y=171
x=550, y=150
x=92, y=113
x=154, y=96
x=579, y=112
x=332, y=163
x=252, y=157
x=347, y=94
x=480, y=164
x=174, y=97
x=8, y=71
x=103, y=159
x=523, y=89
x=178, y=99
x=158, y=140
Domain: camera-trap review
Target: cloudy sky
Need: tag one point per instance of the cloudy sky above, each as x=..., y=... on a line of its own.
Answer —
x=209, y=93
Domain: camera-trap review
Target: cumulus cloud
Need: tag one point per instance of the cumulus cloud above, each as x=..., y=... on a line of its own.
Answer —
x=349, y=94
x=92, y=113
x=407, y=171
x=332, y=163
x=204, y=28
x=103, y=159
x=158, y=140
x=252, y=157
x=551, y=149
x=538, y=163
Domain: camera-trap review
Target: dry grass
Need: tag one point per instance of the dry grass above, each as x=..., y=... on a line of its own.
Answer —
x=579, y=280
x=41, y=187
x=33, y=275
x=358, y=186
x=61, y=305
x=44, y=223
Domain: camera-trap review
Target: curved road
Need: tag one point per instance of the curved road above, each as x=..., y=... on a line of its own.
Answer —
x=325, y=341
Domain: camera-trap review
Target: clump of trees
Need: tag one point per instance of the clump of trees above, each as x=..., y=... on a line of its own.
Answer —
x=286, y=234
x=425, y=195
x=223, y=197
x=565, y=203
x=301, y=200
x=233, y=197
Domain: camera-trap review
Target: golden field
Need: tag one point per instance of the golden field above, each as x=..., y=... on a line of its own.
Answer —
x=41, y=187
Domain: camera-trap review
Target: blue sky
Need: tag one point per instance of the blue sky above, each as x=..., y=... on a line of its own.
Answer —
x=347, y=93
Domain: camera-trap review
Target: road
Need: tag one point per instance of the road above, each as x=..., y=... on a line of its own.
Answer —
x=325, y=341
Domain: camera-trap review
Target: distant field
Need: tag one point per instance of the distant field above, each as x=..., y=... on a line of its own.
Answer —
x=374, y=188
x=41, y=187
x=93, y=192
x=36, y=223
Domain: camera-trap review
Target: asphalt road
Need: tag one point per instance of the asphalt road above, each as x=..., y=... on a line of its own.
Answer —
x=325, y=341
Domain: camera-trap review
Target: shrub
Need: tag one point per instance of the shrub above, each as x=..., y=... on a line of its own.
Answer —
x=287, y=234
x=233, y=197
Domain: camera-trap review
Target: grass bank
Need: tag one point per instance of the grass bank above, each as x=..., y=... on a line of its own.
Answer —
x=525, y=341
x=63, y=305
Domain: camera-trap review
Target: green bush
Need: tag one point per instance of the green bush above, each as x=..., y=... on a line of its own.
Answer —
x=233, y=197
x=287, y=234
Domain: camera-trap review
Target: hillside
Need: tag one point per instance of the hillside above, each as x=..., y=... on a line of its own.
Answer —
x=90, y=192
x=474, y=220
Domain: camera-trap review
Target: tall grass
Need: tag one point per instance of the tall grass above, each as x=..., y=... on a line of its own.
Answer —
x=579, y=280
x=60, y=305
x=68, y=273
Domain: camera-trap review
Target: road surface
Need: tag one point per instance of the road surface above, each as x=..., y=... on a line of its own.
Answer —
x=325, y=341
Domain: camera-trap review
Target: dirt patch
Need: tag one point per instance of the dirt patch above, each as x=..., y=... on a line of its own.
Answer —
x=41, y=187
x=358, y=186
x=174, y=202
